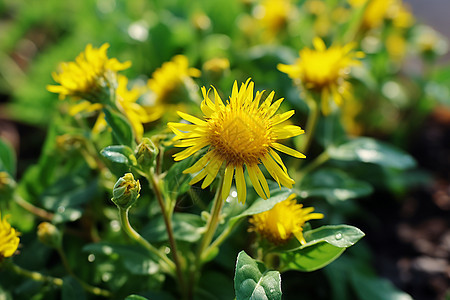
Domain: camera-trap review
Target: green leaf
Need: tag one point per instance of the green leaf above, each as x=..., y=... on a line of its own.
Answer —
x=72, y=290
x=374, y=288
x=333, y=184
x=186, y=227
x=323, y=246
x=120, y=126
x=134, y=259
x=119, y=154
x=262, y=205
x=7, y=158
x=135, y=297
x=67, y=196
x=309, y=259
x=253, y=281
x=176, y=182
x=369, y=150
x=342, y=236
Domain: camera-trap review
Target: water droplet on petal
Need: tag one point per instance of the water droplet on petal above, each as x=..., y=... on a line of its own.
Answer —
x=338, y=236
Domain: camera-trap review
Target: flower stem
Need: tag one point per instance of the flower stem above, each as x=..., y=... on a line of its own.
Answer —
x=43, y=214
x=311, y=123
x=36, y=276
x=212, y=223
x=89, y=288
x=210, y=230
x=154, y=184
x=219, y=240
x=319, y=160
x=126, y=226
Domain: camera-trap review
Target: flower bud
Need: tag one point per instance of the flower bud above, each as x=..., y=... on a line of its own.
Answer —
x=146, y=153
x=48, y=234
x=7, y=183
x=126, y=191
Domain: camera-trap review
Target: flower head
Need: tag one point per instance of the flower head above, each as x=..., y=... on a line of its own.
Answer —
x=324, y=71
x=9, y=239
x=85, y=77
x=240, y=132
x=284, y=220
x=273, y=15
x=377, y=11
x=126, y=102
x=167, y=80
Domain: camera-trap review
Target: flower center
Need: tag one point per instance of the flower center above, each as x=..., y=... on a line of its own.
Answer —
x=241, y=136
x=322, y=68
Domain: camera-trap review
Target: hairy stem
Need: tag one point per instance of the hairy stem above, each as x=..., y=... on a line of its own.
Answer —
x=154, y=185
x=210, y=230
x=168, y=265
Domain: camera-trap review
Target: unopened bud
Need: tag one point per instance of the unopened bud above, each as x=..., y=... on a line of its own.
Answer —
x=48, y=234
x=7, y=184
x=146, y=153
x=126, y=191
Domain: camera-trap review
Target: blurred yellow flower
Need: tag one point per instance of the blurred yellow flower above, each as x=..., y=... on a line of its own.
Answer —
x=324, y=71
x=170, y=77
x=242, y=131
x=126, y=102
x=401, y=15
x=84, y=78
x=377, y=11
x=396, y=46
x=284, y=220
x=273, y=15
x=9, y=239
x=216, y=67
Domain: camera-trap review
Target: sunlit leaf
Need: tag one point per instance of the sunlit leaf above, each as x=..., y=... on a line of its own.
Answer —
x=369, y=150
x=262, y=205
x=253, y=281
x=323, y=246
x=333, y=184
x=121, y=128
x=134, y=259
x=119, y=154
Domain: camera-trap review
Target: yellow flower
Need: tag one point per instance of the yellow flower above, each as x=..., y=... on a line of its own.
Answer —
x=396, y=46
x=85, y=77
x=242, y=131
x=126, y=102
x=215, y=68
x=9, y=240
x=284, y=220
x=377, y=11
x=324, y=71
x=273, y=15
x=172, y=75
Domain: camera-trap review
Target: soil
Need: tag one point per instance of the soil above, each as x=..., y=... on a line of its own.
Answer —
x=412, y=243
